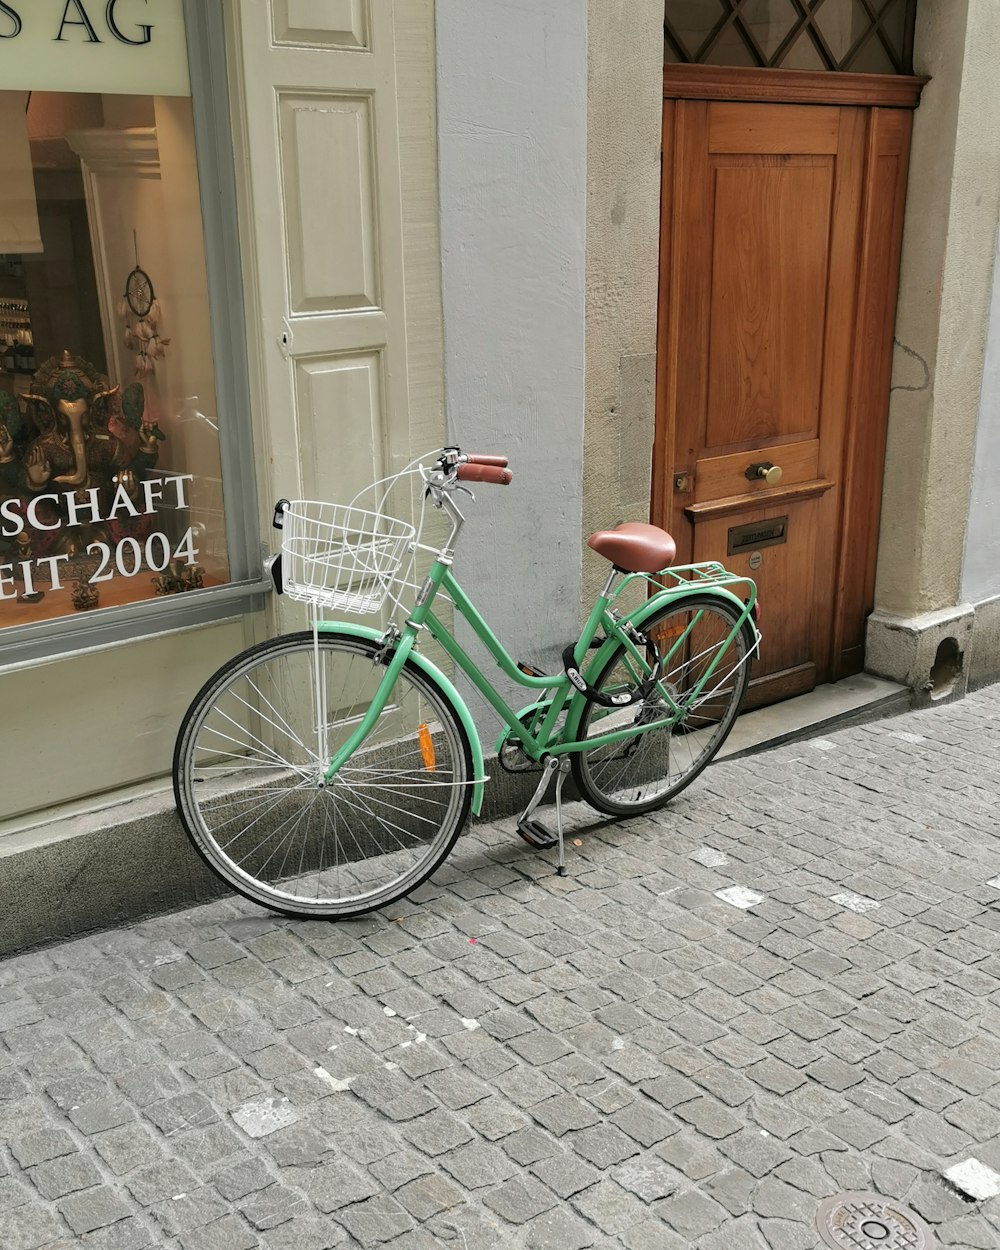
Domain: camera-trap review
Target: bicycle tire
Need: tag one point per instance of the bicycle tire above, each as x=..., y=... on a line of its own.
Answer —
x=249, y=753
x=633, y=777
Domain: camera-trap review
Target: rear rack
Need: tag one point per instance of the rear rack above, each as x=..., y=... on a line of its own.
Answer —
x=708, y=573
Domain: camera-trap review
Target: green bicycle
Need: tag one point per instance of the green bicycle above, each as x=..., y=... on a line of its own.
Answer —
x=329, y=772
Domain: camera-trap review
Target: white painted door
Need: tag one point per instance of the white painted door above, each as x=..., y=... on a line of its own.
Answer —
x=318, y=106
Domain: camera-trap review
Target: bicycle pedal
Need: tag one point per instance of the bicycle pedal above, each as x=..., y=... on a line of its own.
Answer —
x=535, y=834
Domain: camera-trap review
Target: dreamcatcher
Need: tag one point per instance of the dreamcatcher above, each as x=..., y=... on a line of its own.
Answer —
x=140, y=310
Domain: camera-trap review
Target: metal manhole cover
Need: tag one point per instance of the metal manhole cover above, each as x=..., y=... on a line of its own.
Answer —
x=869, y=1222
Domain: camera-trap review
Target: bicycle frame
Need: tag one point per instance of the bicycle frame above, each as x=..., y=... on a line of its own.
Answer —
x=338, y=767
x=560, y=694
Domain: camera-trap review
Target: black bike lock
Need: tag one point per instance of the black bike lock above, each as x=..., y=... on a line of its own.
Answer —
x=593, y=695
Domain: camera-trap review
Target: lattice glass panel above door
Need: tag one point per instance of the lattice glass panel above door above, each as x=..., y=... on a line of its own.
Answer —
x=863, y=36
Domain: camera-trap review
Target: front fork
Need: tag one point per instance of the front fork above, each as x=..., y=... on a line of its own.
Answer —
x=402, y=644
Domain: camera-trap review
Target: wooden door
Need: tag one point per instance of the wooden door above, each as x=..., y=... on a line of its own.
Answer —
x=771, y=253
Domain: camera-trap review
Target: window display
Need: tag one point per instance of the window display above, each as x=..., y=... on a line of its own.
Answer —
x=110, y=479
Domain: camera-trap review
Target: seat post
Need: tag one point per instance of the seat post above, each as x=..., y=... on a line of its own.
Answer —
x=609, y=584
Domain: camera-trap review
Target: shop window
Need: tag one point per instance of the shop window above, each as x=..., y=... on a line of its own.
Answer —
x=861, y=36
x=115, y=484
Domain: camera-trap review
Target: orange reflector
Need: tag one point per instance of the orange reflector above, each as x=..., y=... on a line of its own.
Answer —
x=426, y=747
x=667, y=633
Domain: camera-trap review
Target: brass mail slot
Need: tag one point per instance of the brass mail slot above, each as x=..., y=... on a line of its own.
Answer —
x=758, y=534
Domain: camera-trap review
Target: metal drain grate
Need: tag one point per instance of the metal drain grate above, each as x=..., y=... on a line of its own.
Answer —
x=862, y=1221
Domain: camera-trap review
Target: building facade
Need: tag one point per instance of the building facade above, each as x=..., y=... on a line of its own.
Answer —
x=253, y=249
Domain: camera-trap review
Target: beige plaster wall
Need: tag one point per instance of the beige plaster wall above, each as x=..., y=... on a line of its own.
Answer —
x=946, y=277
x=93, y=721
x=624, y=111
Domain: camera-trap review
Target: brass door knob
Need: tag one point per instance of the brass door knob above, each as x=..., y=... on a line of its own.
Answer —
x=771, y=473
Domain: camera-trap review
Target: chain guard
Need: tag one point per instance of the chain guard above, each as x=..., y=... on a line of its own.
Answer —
x=512, y=759
x=510, y=754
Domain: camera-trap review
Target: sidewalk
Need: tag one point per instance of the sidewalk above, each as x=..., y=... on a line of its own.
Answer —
x=621, y=1058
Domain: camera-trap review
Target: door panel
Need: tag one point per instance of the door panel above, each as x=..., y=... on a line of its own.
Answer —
x=769, y=128
x=769, y=277
x=787, y=629
x=725, y=476
x=762, y=235
x=325, y=218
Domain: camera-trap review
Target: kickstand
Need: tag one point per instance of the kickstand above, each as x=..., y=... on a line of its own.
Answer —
x=563, y=770
x=533, y=831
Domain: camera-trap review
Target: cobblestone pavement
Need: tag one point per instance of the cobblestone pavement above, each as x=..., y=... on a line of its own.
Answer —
x=621, y=1058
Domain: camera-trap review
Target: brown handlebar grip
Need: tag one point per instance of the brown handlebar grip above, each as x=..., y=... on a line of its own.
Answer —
x=500, y=461
x=494, y=473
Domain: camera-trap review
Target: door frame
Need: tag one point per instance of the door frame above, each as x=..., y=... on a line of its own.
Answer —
x=890, y=100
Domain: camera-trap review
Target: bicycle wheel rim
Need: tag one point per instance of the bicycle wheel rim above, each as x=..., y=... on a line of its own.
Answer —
x=248, y=778
x=646, y=772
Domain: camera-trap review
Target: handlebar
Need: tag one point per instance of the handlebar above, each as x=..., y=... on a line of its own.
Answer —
x=476, y=471
x=455, y=466
x=500, y=461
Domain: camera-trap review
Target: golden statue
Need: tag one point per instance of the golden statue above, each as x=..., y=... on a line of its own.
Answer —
x=89, y=442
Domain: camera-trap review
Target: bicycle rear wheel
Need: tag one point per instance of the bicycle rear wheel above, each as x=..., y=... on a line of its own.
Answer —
x=248, y=777
x=642, y=773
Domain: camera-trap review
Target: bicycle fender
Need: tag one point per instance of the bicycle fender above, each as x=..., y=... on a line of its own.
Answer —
x=636, y=617
x=645, y=610
x=448, y=692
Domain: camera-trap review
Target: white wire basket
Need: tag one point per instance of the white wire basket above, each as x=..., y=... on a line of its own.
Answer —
x=342, y=557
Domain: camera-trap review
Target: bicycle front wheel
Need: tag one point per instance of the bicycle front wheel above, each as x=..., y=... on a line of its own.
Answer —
x=642, y=773
x=248, y=777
